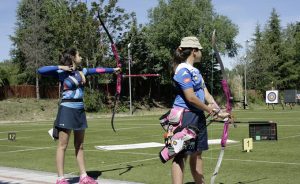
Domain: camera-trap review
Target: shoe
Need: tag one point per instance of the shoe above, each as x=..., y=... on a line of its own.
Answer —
x=87, y=180
x=62, y=181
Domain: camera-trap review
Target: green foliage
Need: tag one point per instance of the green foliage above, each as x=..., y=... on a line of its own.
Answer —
x=8, y=73
x=173, y=19
x=273, y=56
x=31, y=37
x=255, y=97
x=57, y=25
x=93, y=100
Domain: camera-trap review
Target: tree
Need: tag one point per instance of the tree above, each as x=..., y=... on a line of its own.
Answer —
x=290, y=66
x=173, y=19
x=273, y=56
x=273, y=39
x=260, y=61
x=30, y=40
x=46, y=28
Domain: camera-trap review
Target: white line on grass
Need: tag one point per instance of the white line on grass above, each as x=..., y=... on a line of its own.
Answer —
x=6, y=139
x=29, y=130
x=123, y=152
x=141, y=124
x=289, y=125
x=106, y=129
x=28, y=122
x=290, y=137
x=258, y=161
x=31, y=149
x=16, y=146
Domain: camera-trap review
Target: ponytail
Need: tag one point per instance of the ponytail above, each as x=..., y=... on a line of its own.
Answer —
x=180, y=56
x=68, y=57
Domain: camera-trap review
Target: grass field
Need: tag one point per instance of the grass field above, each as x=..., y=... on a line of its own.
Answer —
x=270, y=162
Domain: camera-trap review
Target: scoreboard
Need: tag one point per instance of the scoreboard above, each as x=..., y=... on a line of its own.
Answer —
x=263, y=130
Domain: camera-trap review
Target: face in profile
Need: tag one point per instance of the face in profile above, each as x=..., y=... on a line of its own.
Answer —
x=78, y=58
x=198, y=55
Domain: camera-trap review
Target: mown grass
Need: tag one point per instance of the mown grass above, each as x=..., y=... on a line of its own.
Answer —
x=269, y=162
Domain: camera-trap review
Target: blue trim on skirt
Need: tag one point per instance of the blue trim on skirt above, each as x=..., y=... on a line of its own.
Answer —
x=70, y=118
x=197, y=119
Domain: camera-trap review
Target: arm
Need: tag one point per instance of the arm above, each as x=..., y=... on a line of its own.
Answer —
x=93, y=71
x=212, y=103
x=48, y=71
x=192, y=99
x=210, y=100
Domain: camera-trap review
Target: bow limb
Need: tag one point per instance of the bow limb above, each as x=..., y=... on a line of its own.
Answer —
x=227, y=93
x=119, y=75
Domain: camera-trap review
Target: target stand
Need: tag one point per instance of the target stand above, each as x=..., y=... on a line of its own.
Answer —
x=272, y=98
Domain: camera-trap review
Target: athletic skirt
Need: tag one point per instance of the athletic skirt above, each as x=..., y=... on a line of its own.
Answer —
x=198, y=120
x=70, y=118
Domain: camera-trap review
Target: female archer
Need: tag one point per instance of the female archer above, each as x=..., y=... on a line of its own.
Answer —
x=195, y=99
x=71, y=114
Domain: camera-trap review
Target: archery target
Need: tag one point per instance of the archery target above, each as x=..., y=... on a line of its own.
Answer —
x=272, y=96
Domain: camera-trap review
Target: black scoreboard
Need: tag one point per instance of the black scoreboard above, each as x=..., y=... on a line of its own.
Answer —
x=263, y=130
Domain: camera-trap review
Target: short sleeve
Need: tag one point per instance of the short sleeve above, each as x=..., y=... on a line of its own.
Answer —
x=184, y=78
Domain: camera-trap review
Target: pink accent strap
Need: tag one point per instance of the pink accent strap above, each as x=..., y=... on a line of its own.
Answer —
x=100, y=70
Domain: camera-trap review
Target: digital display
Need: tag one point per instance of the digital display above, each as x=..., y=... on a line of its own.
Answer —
x=263, y=130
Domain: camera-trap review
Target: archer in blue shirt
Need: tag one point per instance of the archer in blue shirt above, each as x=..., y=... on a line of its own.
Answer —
x=71, y=115
x=194, y=97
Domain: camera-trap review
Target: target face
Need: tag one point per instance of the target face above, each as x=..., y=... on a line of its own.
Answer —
x=272, y=96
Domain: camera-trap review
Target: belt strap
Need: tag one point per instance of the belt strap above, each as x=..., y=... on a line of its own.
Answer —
x=71, y=100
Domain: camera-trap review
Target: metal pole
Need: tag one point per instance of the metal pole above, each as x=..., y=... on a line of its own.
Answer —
x=246, y=58
x=129, y=68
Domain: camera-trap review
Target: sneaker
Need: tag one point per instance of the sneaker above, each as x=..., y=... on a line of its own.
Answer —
x=62, y=181
x=87, y=180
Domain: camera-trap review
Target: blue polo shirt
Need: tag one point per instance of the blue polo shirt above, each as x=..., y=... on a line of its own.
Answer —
x=186, y=76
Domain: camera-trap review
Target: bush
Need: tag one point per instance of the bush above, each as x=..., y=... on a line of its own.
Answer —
x=93, y=100
x=255, y=97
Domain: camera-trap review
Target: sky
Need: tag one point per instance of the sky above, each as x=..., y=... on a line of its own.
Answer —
x=246, y=14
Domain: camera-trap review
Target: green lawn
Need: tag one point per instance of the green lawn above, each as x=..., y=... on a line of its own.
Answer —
x=270, y=161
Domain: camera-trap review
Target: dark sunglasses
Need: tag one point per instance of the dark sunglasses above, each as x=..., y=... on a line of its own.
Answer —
x=197, y=50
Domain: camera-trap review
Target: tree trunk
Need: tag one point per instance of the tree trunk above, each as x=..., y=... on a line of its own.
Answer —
x=37, y=87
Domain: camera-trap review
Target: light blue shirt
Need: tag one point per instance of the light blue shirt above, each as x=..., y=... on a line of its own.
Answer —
x=72, y=82
x=186, y=76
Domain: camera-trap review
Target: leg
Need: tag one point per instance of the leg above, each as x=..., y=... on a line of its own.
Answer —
x=178, y=169
x=78, y=144
x=61, y=149
x=196, y=164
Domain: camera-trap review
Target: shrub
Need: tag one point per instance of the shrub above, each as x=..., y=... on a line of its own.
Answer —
x=93, y=100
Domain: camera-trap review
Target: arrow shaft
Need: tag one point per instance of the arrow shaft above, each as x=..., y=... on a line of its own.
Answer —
x=142, y=75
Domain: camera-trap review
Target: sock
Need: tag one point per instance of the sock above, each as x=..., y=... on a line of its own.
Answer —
x=83, y=175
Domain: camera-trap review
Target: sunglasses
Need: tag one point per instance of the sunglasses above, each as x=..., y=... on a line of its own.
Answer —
x=197, y=50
